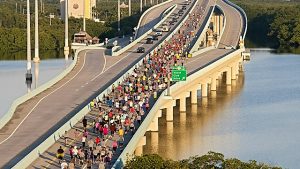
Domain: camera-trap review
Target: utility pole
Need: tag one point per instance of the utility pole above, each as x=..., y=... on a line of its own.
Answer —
x=84, y=15
x=141, y=6
x=66, y=48
x=36, y=33
x=119, y=16
x=129, y=7
x=28, y=74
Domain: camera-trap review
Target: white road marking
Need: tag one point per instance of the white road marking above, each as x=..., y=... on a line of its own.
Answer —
x=43, y=99
x=102, y=68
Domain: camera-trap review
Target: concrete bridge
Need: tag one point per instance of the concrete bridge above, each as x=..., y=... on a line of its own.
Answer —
x=38, y=123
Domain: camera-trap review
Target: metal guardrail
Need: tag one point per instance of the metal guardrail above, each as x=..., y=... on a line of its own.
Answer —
x=244, y=15
x=25, y=158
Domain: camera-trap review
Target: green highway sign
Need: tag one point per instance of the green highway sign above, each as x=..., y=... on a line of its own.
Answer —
x=179, y=73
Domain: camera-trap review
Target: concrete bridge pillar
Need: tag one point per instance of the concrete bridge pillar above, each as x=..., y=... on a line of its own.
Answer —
x=235, y=70
x=217, y=25
x=213, y=86
x=221, y=23
x=139, y=148
x=204, y=89
x=182, y=101
x=228, y=76
x=194, y=92
x=154, y=124
x=169, y=107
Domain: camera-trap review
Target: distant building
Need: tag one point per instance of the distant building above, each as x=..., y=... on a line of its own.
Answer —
x=76, y=8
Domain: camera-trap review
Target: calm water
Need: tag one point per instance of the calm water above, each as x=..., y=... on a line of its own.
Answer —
x=12, y=75
x=258, y=118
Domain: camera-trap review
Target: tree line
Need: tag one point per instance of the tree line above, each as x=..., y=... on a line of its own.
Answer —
x=272, y=23
x=211, y=160
x=13, y=24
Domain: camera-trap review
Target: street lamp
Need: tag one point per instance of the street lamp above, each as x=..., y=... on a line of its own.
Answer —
x=28, y=73
x=66, y=48
x=119, y=16
x=36, y=33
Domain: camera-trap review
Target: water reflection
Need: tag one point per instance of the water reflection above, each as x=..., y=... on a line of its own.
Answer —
x=256, y=118
x=192, y=131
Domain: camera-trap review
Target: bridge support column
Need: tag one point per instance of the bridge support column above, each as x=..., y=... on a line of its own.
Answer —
x=154, y=124
x=217, y=25
x=204, y=89
x=139, y=148
x=228, y=76
x=213, y=86
x=221, y=23
x=235, y=69
x=194, y=99
x=194, y=92
x=170, y=111
x=182, y=106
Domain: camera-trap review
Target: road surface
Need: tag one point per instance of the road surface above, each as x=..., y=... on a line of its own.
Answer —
x=35, y=117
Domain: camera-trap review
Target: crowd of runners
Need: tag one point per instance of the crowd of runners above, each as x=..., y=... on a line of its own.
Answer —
x=119, y=113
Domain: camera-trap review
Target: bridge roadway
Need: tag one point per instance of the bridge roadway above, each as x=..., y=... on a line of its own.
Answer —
x=192, y=65
x=36, y=116
x=154, y=18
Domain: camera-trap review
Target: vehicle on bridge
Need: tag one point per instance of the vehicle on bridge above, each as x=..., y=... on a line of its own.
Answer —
x=140, y=50
x=149, y=40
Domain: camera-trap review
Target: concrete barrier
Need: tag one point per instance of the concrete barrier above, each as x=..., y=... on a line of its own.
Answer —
x=8, y=115
x=146, y=12
x=244, y=15
x=119, y=52
x=204, y=28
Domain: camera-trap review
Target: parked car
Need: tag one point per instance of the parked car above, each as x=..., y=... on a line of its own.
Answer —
x=140, y=50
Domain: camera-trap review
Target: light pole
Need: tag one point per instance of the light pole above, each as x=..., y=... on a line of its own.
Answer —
x=119, y=16
x=28, y=74
x=129, y=7
x=66, y=48
x=141, y=6
x=84, y=15
x=36, y=33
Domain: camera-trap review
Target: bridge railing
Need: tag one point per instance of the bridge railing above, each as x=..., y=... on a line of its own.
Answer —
x=202, y=31
x=244, y=15
x=33, y=151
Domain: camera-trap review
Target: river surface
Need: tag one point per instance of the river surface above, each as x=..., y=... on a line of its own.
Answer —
x=258, y=118
x=12, y=75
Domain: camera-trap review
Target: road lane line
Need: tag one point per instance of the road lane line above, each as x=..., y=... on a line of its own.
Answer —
x=43, y=99
x=102, y=68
